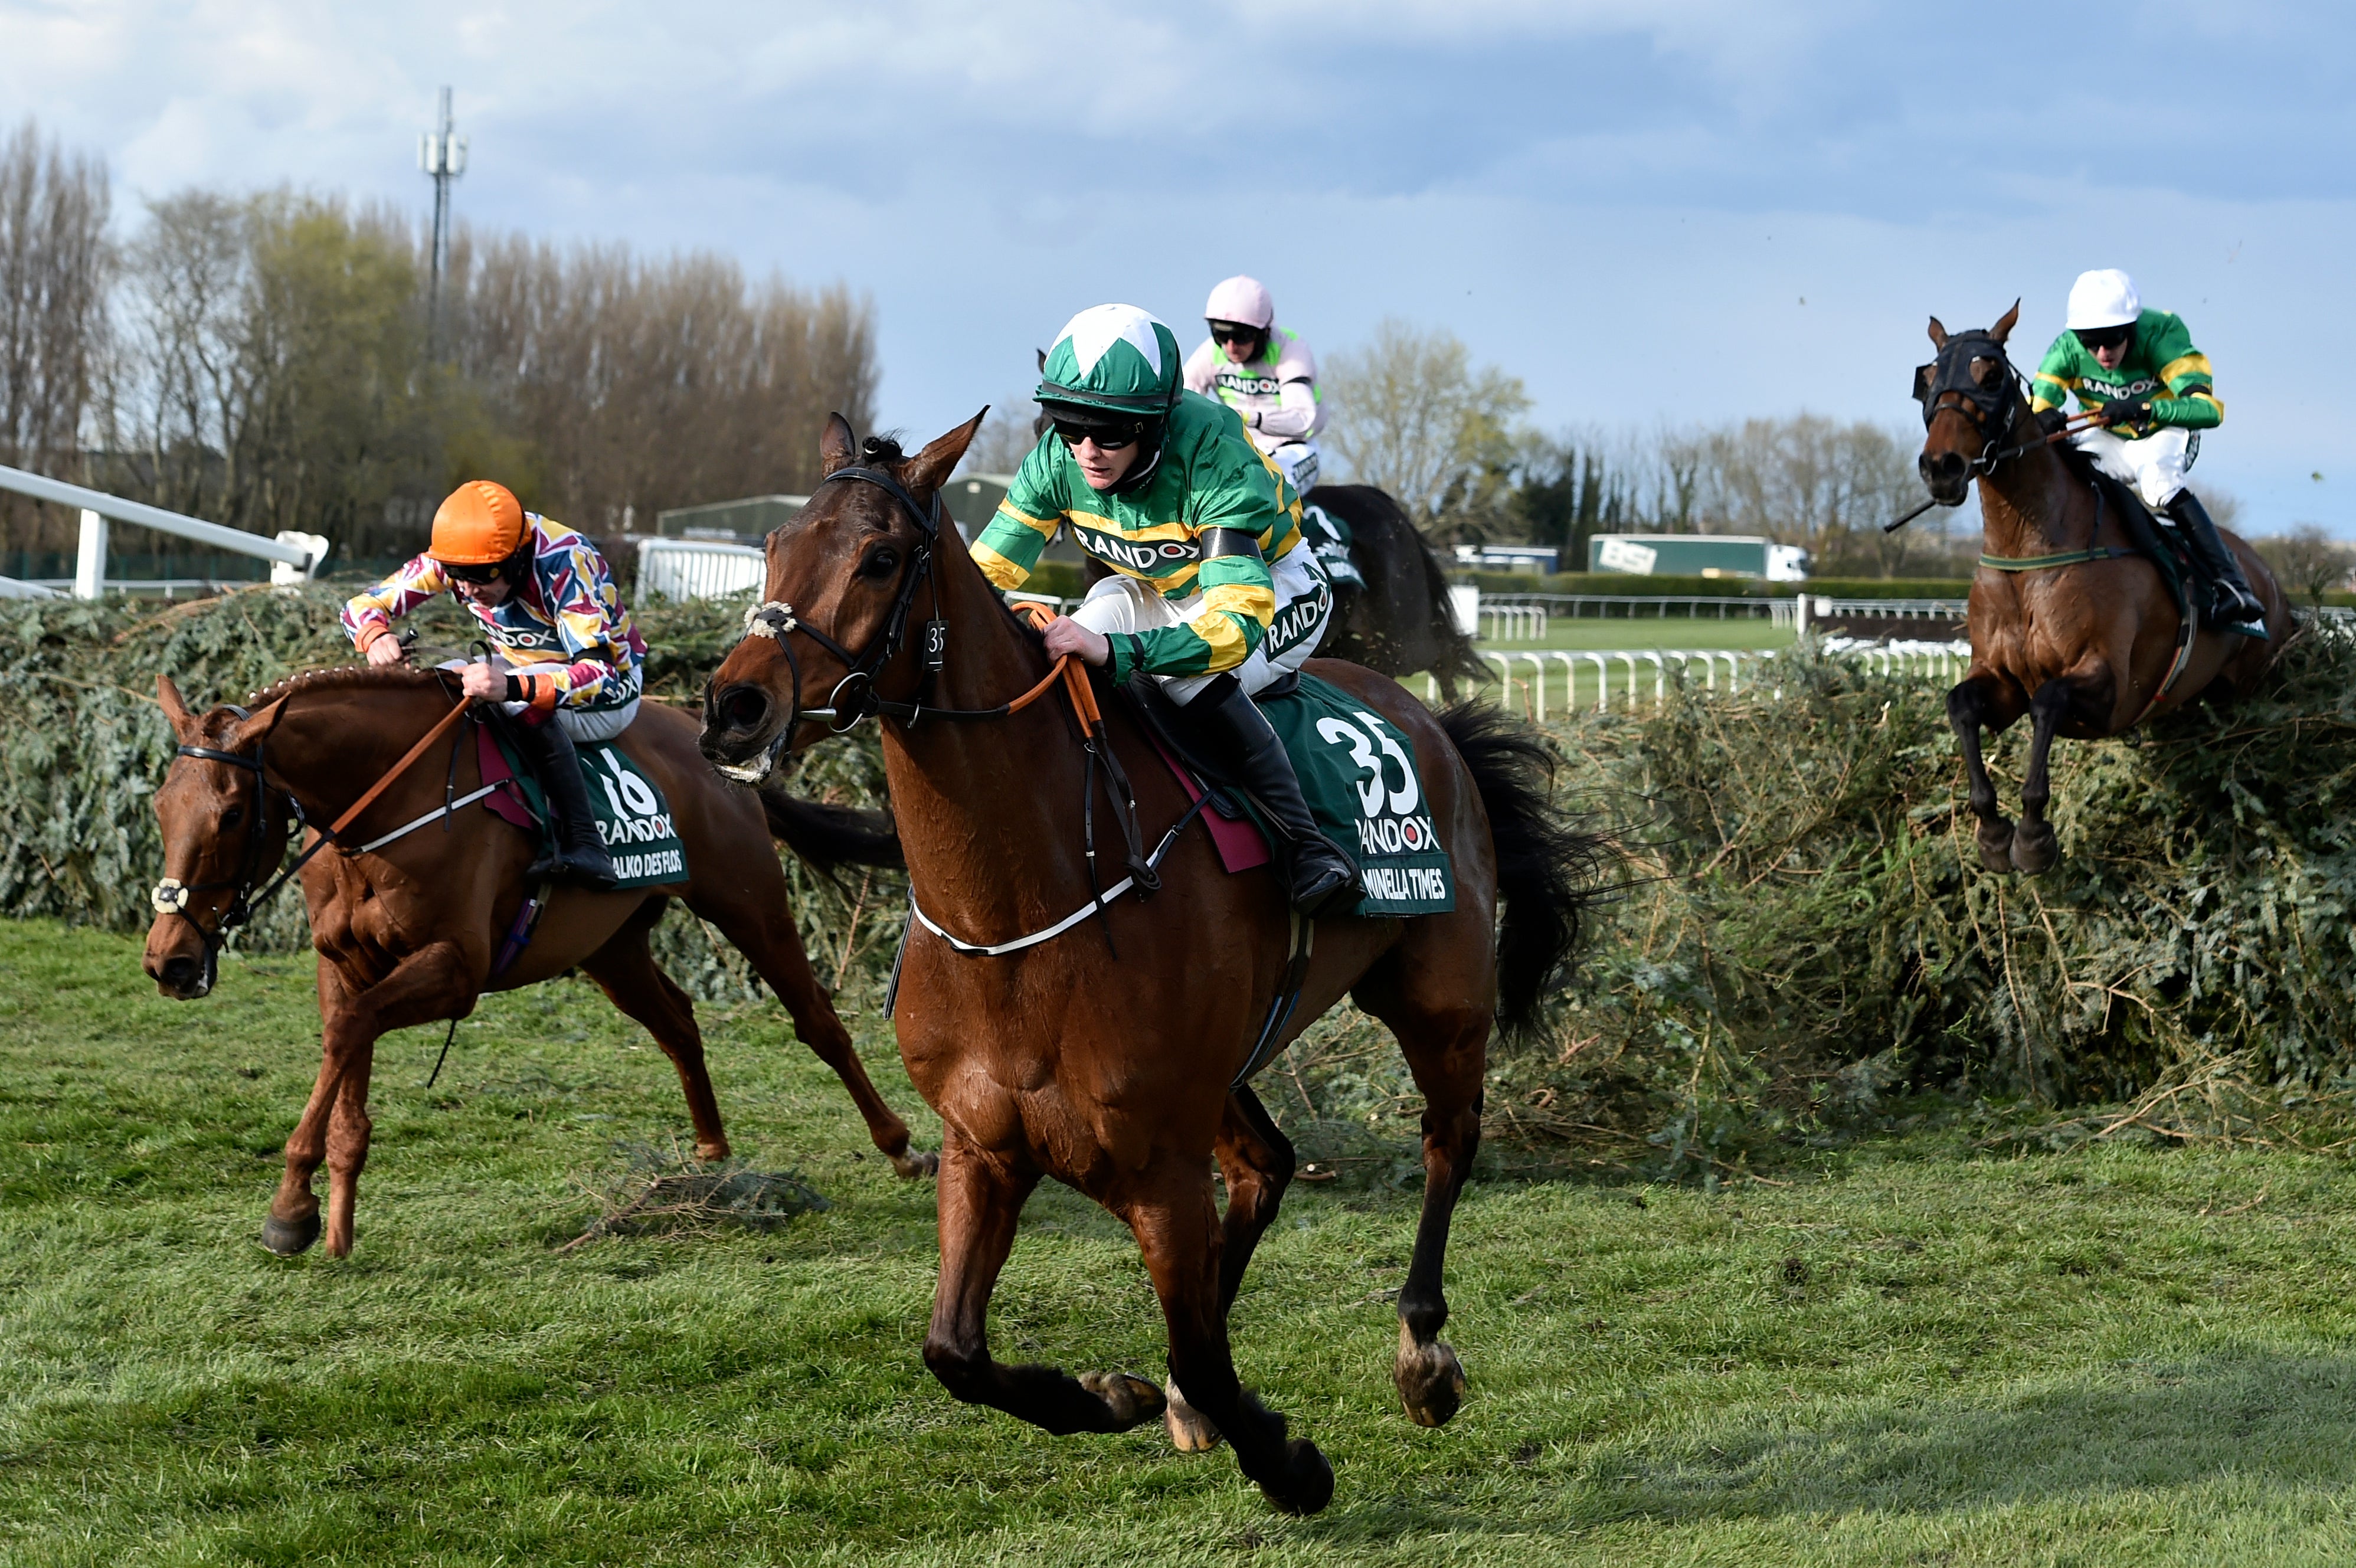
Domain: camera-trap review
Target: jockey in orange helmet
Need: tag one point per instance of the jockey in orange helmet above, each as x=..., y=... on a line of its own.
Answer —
x=568, y=663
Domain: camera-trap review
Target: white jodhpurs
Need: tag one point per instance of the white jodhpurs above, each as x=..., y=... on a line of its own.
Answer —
x=1297, y=459
x=1304, y=602
x=2155, y=465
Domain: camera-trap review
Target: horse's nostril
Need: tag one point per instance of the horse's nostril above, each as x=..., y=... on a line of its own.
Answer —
x=745, y=707
x=180, y=973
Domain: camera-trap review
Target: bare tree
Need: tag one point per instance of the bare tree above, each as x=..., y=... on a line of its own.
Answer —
x=1412, y=416
x=621, y=386
x=1006, y=437
x=2308, y=560
x=55, y=267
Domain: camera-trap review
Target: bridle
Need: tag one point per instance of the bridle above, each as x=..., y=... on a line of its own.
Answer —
x=1993, y=409
x=171, y=896
x=854, y=699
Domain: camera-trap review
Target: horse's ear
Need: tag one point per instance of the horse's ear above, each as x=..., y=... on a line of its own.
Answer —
x=1938, y=334
x=838, y=447
x=2006, y=323
x=251, y=728
x=930, y=468
x=176, y=712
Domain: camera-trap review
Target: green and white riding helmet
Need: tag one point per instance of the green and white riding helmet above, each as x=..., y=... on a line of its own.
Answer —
x=1114, y=368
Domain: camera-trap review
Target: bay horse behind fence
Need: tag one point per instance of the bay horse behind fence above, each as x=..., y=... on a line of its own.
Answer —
x=2071, y=621
x=1108, y=1049
x=411, y=930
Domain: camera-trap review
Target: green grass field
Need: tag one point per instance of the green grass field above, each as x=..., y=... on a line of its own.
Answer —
x=1897, y=1352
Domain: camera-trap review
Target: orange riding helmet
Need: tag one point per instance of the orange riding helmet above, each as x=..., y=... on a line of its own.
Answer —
x=480, y=524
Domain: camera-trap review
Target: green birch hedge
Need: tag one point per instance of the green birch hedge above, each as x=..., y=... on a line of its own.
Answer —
x=1801, y=936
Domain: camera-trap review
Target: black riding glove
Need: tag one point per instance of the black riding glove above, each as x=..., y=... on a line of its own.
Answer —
x=2126, y=411
x=2052, y=420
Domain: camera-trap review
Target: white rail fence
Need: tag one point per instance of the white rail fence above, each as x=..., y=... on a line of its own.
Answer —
x=697, y=569
x=1624, y=668
x=294, y=557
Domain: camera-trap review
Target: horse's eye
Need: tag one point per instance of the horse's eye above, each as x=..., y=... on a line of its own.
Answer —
x=882, y=563
x=232, y=816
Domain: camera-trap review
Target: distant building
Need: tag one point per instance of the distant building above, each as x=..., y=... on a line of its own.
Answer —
x=1698, y=555
x=1537, y=558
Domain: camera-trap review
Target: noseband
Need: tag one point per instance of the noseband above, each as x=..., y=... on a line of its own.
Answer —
x=1947, y=383
x=171, y=896
x=853, y=699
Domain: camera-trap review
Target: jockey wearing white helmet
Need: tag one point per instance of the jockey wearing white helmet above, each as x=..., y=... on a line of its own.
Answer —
x=2137, y=368
x=1269, y=378
x=1264, y=373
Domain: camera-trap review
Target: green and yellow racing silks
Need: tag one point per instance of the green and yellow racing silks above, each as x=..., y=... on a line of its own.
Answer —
x=1209, y=475
x=2161, y=365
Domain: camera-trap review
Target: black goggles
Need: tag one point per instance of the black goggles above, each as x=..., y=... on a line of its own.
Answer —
x=2104, y=336
x=480, y=576
x=1108, y=437
x=1234, y=332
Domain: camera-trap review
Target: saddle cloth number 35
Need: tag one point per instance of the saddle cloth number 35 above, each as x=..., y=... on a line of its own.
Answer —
x=1375, y=787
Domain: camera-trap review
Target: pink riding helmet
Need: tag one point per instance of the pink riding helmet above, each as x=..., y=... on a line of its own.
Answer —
x=1243, y=301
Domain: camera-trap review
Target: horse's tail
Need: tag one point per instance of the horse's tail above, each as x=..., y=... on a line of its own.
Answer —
x=1548, y=871
x=831, y=836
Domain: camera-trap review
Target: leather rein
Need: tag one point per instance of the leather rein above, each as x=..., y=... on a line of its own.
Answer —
x=854, y=700
x=171, y=896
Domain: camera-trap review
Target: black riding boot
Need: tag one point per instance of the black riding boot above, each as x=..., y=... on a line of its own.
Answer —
x=2232, y=606
x=1321, y=876
x=579, y=857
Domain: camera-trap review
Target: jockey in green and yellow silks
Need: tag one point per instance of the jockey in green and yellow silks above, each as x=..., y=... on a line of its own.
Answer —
x=2154, y=390
x=1212, y=593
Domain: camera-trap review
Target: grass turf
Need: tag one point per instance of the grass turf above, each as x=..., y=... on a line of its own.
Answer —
x=1907, y=1354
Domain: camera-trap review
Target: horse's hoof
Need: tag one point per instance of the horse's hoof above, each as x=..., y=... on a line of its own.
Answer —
x=1995, y=844
x=1431, y=1380
x=1191, y=1431
x=2034, y=849
x=916, y=1162
x=1131, y=1400
x=287, y=1238
x=1305, y=1484
x=711, y=1152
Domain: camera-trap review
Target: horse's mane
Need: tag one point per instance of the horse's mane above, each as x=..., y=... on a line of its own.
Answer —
x=345, y=678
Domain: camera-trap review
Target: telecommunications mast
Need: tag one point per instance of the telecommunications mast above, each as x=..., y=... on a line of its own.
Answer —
x=441, y=153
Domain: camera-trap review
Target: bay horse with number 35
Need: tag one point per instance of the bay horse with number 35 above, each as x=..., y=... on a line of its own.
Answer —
x=410, y=899
x=1108, y=1056
x=2071, y=623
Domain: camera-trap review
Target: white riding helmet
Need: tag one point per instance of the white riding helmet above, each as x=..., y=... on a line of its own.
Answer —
x=1242, y=301
x=2106, y=297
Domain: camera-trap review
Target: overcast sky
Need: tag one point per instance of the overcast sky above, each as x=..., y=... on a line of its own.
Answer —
x=1647, y=209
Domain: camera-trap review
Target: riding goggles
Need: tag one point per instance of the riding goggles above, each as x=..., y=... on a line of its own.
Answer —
x=2094, y=337
x=1231, y=332
x=1108, y=437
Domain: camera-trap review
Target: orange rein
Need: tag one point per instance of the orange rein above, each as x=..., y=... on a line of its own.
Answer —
x=441, y=728
x=1075, y=679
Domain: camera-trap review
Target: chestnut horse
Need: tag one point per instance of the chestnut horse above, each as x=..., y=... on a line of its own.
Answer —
x=409, y=931
x=2088, y=647
x=1110, y=1056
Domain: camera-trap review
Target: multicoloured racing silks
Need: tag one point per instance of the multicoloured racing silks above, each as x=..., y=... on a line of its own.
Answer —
x=1208, y=476
x=2161, y=365
x=565, y=627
